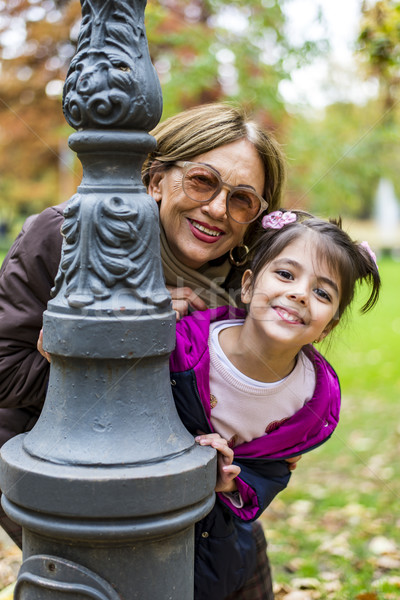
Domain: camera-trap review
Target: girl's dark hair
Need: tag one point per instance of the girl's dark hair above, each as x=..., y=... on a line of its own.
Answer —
x=350, y=260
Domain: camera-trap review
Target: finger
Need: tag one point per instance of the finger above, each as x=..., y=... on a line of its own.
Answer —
x=292, y=462
x=196, y=302
x=181, y=307
x=224, y=450
x=294, y=459
x=187, y=294
x=231, y=470
x=39, y=346
x=208, y=436
x=218, y=444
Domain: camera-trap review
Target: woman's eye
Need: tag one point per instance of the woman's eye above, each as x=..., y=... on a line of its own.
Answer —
x=201, y=179
x=285, y=274
x=242, y=198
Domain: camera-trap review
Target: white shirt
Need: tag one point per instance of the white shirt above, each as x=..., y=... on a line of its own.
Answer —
x=242, y=408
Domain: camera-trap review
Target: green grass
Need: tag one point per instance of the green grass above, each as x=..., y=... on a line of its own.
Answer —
x=339, y=520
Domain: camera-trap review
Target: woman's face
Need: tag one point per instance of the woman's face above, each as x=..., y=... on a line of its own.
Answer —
x=196, y=232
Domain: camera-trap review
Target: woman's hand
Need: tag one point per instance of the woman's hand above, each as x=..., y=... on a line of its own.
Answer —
x=293, y=462
x=182, y=298
x=39, y=346
x=226, y=471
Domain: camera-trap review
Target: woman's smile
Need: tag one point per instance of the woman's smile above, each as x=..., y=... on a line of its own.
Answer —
x=205, y=232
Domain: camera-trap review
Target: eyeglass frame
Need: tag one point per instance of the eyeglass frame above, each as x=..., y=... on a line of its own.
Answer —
x=185, y=165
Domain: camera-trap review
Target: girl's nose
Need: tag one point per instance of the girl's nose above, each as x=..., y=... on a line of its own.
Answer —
x=298, y=296
x=216, y=208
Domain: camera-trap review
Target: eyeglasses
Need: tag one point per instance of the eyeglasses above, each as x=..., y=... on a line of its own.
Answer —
x=202, y=183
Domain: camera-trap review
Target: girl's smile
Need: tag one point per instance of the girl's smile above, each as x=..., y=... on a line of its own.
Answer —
x=288, y=315
x=293, y=302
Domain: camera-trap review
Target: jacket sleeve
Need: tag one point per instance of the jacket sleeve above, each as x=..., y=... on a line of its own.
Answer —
x=26, y=278
x=258, y=484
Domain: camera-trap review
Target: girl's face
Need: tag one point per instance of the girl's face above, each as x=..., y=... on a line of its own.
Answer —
x=197, y=233
x=295, y=299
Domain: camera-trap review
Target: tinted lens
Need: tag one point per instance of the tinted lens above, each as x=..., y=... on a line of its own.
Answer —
x=200, y=183
x=243, y=205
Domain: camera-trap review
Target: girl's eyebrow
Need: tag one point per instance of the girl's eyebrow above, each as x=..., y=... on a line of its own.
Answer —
x=297, y=265
x=331, y=283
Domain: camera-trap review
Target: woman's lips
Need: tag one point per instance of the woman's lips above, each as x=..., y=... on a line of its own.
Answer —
x=205, y=232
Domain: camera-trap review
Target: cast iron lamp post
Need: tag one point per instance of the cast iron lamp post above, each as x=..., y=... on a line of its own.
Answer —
x=108, y=484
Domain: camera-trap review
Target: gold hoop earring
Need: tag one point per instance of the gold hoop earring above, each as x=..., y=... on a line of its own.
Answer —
x=242, y=250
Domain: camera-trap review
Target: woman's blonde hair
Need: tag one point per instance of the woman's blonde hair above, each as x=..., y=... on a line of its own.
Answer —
x=204, y=128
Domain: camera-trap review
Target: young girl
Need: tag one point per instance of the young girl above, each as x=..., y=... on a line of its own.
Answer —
x=254, y=387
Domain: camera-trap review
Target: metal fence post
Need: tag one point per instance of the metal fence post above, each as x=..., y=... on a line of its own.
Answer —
x=108, y=484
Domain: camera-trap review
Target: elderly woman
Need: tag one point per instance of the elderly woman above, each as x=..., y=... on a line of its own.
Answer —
x=213, y=174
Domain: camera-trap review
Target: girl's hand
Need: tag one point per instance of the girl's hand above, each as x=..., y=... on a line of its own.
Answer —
x=182, y=298
x=293, y=462
x=39, y=346
x=226, y=471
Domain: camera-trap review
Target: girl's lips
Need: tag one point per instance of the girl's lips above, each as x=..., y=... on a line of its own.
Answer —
x=288, y=316
x=205, y=232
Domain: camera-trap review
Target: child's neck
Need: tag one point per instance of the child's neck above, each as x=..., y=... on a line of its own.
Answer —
x=260, y=363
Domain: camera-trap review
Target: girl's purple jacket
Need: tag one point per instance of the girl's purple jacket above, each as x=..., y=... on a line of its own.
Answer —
x=225, y=550
x=308, y=428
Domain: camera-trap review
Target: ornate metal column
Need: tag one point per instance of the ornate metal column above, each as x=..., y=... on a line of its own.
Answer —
x=109, y=483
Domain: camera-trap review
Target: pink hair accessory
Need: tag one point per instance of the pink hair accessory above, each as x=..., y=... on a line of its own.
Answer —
x=278, y=219
x=370, y=252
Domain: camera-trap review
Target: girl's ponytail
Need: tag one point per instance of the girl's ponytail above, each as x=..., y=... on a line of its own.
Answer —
x=368, y=272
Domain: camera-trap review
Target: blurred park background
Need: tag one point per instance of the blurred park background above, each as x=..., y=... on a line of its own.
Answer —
x=324, y=76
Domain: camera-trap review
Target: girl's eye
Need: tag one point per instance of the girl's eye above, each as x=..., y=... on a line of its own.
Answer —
x=285, y=274
x=323, y=294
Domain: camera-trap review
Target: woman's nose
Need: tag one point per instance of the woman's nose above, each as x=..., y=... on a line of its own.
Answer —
x=216, y=208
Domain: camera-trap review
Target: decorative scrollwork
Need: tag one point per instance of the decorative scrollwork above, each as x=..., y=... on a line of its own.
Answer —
x=111, y=81
x=107, y=242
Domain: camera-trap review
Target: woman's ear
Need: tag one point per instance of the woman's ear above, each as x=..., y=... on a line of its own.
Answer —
x=155, y=185
x=247, y=281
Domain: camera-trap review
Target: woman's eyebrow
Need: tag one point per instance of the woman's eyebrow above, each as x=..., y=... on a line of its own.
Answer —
x=242, y=185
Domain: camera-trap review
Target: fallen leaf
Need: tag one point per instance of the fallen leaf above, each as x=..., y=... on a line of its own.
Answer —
x=382, y=545
x=389, y=563
x=299, y=595
x=393, y=581
x=305, y=583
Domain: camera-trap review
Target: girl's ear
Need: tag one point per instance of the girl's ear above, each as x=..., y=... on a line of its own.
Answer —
x=155, y=185
x=247, y=280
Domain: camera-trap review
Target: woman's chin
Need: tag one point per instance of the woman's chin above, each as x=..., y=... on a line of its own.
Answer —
x=196, y=254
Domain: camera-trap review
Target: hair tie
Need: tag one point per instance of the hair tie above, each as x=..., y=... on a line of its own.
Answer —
x=372, y=254
x=278, y=219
